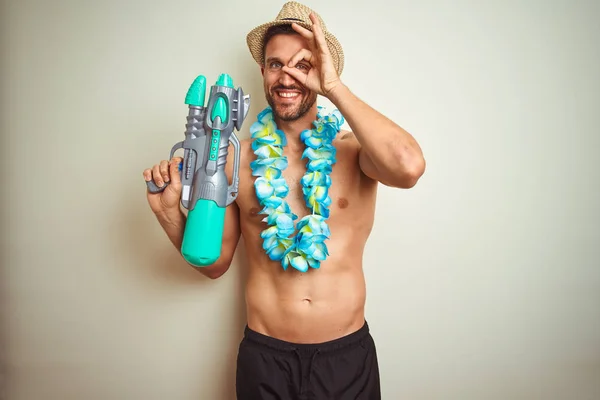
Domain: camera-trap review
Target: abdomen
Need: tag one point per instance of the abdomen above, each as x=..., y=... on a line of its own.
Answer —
x=315, y=306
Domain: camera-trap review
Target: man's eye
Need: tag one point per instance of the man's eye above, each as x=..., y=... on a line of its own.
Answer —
x=302, y=66
x=275, y=64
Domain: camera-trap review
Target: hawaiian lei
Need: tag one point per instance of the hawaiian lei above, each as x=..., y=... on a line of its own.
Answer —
x=307, y=247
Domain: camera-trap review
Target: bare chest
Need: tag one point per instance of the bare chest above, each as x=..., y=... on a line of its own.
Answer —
x=347, y=190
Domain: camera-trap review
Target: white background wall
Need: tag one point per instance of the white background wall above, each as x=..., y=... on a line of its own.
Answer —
x=483, y=281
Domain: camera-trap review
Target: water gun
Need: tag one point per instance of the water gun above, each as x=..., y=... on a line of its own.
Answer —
x=205, y=188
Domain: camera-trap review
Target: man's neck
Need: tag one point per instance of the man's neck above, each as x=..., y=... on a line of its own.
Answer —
x=293, y=129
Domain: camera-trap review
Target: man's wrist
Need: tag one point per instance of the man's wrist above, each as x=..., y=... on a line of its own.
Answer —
x=338, y=93
x=173, y=223
x=171, y=217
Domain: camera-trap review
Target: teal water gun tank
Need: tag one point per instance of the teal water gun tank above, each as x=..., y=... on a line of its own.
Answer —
x=206, y=191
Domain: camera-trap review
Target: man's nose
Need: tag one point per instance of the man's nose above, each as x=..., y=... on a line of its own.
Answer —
x=286, y=79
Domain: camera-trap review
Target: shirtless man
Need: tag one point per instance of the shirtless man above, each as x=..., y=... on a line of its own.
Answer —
x=306, y=332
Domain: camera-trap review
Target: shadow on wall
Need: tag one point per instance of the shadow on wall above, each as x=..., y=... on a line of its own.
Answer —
x=150, y=251
x=238, y=317
x=154, y=263
x=5, y=259
x=3, y=323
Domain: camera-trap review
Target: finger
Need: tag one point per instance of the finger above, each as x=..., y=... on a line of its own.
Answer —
x=174, y=188
x=303, y=54
x=156, y=175
x=147, y=174
x=319, y=35
x=296, y=74
x=303, y=31
x=164, y=170
x=174, y=171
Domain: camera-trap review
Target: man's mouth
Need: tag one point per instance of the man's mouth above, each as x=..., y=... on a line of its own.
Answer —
x=288, y=94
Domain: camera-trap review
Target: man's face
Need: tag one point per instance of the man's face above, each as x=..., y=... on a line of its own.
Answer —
x=287, y=97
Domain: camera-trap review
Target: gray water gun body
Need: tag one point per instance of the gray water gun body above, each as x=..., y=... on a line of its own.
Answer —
x=205, y=188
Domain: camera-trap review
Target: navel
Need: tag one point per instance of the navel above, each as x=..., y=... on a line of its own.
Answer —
x=342, y=202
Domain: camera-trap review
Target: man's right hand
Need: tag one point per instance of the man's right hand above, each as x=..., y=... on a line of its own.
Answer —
x=167, y=201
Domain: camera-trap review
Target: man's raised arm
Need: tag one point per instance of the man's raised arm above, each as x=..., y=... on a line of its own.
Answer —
x=388, y=153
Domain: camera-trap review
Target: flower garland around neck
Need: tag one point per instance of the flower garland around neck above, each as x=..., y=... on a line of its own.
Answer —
x=307, y=247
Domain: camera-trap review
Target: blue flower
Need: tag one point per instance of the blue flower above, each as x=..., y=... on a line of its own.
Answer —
x=270, y=168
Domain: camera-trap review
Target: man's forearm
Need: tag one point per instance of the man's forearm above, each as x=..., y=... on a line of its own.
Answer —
x=393, y=151
x=173, y=224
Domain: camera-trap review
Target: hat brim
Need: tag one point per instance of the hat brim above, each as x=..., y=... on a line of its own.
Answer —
x=255, y=39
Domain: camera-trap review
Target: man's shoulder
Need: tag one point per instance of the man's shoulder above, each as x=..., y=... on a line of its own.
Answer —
x=346, y=138
x=246, y=142
x=346, y=135
x=246, y=152
x=246, y=146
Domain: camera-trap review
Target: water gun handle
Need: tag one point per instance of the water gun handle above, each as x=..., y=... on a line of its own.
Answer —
x=152, y=187
x=232, y=190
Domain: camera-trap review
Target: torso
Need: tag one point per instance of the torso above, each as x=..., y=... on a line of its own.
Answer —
x=320, y=304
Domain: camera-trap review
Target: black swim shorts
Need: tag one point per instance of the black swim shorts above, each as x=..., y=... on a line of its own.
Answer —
x=344, y=368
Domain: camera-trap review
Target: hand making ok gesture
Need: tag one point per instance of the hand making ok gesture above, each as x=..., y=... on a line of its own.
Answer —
x=322, y=77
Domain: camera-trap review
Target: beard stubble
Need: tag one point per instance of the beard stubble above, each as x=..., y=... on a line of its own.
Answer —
x=290, y=112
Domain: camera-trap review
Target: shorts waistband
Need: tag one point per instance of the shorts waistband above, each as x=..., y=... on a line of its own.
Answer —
x=307, y=348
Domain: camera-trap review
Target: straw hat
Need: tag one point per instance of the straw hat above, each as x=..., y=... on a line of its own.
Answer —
x=294, y=12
